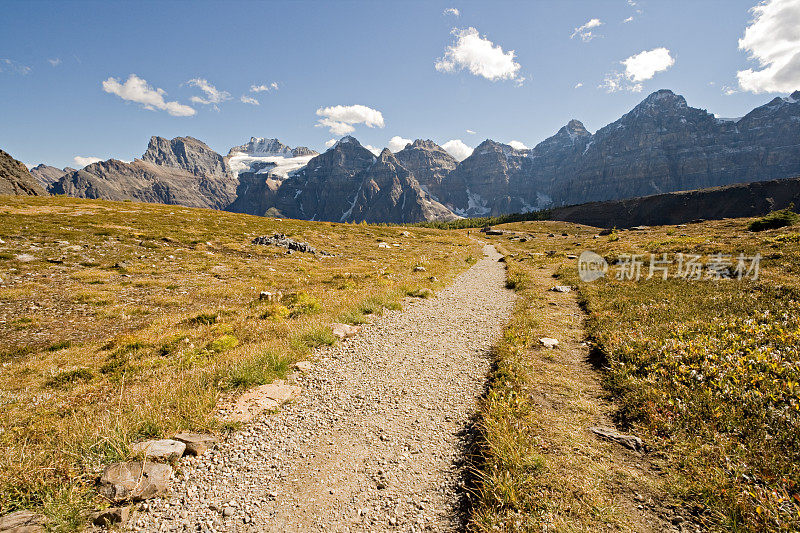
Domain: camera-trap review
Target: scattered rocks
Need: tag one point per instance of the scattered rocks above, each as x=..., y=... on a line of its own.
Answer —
x=303, y=366
x=561, y=288
x=344, y=331
x=133, y=480
x=112, y=515
x=270, y=296
x=629, y=441
x=265, y=397
x=160, y=450
x=547, y=342
x=279, y=239
x=196, y=443
x=22, y=522
x=420, y=269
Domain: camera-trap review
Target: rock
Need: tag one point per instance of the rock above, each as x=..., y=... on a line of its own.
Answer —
x=405, y=234
x=22, y=522
x=629, y=441
x=265, y=397
x=570, y=256
x=270, y=296
x=24, y=258
x=196, y=443
x=112, y=515
x=303, y=366
x=228, y=511
x=561, y=288
x=134, y=480
x=547, y=342
x=160, y=450
x=605, y=232
x=344, y=331
x=640, y=228
x=494, y=232
x=383, y=245
x=420, y=269
x=279, y=239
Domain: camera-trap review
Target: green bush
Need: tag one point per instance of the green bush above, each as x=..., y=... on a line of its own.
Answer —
x=776, y=219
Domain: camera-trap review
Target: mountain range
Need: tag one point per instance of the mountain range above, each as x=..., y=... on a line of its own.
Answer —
x=661, y=145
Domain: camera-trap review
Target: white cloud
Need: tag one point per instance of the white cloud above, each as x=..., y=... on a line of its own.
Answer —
x=727, y=91
x=264, y=88
x=772, y=39
x=480, y=56
x=452, y=11
x=517, y=145
x=585, y=32
x=397, y=143
x=376, y=151
x=54, y=62
x=340, y=119
x=457, y=149
x=83, y=161
x=135, y=89
x=471, y=132
x=644, y=65
x=638, y=68
x=213, y=95
x=249, y=100
x=629, y=19
x=330, y=143
x=12, y=66
x=578, y=85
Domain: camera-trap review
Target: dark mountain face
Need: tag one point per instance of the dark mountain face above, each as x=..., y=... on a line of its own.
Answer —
x=180, y=171
x=429, y=163
x=47, y=175
x=15, y=178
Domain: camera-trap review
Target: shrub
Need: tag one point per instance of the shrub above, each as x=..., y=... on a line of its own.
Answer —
x=420, y=293
x=775, y=219
x=69, y=376
x=223, y=344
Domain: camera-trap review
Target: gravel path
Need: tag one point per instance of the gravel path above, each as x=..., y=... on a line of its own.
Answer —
x=375, y=440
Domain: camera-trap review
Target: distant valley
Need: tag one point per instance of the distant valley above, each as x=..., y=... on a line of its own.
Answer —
x=660, y=146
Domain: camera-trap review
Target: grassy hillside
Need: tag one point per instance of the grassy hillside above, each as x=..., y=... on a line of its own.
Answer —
x=124, y=320
x=706, y=372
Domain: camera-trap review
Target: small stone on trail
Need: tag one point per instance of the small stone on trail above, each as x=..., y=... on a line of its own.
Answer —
x=629, y=441
x=344, y=331
x=303, y=366
x=262, y=398
x=547, y=342
x=561, y=288
x=160, y=450
x=133, y=480
x=112, y=515
x=196, y=443
x=228, y=511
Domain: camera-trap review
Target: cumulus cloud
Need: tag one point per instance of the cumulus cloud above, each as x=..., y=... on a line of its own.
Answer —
x=213, y=96
x=135, y=89
x=264, y=88
x=585, y=32
x=517, y=145
x=471, y=132
x=340, y=119
x=8, y=65
x=249, y=100
x=452, y=11
x=480, y=56
x=330, y=143
x=638, y=68
x=457, y=149
x=397, y=143
x=373, y=149
x=83, y=161
x=773, y=40
x=55, y=62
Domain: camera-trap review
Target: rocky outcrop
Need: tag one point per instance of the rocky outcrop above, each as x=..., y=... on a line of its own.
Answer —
x=182, y=171
x=15, y=178
x=732, y=201
x=661, y=145
x=47, y=175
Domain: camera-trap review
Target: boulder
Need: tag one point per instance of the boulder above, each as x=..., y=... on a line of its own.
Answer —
x=344, y=331
x=160, y=450
x=22, y=522
x=420, y=269
x=547, y=342
x=134, y=480
x=561, y=288
x=303, y=366
x=629, y=441
x=265, y=397
x=196, y=443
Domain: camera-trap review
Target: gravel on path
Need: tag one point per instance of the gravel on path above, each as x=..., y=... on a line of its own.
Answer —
x=375, y=441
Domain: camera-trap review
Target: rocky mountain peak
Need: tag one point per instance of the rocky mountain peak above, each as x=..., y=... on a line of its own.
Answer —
x=795, y=96
x=262, y=147
x=186, y=153
x=576, y=127
x=15, y=178
x=663, y=99
x=424, y=144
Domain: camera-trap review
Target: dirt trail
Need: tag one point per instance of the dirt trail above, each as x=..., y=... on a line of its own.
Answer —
x=375, y=441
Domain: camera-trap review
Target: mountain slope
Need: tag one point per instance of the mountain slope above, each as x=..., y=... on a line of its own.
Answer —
x=15, y=178
x=47, y=175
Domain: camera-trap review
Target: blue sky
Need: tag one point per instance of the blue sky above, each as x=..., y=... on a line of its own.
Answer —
x=381, y=55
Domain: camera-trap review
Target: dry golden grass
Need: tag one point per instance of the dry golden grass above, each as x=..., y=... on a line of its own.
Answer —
x=134, y=319
x=705, y=372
